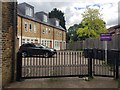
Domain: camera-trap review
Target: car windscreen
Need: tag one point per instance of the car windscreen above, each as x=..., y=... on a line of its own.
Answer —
x=40, y=45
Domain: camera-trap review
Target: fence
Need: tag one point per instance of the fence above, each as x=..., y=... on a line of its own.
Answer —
x=95, y=43
x=65, y=64
x=75, y=45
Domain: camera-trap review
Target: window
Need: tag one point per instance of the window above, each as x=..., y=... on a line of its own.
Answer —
x=45, y=18
x=48, y=43
x=43, y=31
x=23, y=41
x=43, y=42
x=57, y=23
x=36, y=41
x=28, y=40
x=26, y=26
x=46, y=30
x=57, y=44
x=49, y=31
x=31, y=40
x=34, y=28
x=29, y=11
x=30, y=27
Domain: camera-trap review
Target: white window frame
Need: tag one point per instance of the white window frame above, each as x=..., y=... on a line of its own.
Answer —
x=32, y=41
x=45, y=18
x=34, y=28
x=28, y=40
x=26, y=26
x=46, y=30
x=57, y=23
x=43, y=31
x=49, y=30
x=30, y=24
x=23, y=41
x=29, y=11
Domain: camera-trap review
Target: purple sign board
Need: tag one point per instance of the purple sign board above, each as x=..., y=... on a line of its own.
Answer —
x=105, y=37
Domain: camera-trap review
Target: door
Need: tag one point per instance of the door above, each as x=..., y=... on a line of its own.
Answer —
x=60, y=45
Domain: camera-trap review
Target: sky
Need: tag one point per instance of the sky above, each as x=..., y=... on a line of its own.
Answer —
x=73, y=9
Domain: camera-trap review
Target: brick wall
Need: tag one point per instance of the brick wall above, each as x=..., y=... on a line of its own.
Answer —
x=7, y=42
x=48, y=34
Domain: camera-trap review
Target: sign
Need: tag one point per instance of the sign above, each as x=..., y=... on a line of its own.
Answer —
x=105, y=37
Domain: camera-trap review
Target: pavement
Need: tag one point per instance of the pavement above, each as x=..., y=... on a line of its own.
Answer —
x=67, y=82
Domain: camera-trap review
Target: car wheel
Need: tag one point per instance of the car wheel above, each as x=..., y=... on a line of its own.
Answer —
x=24, y=54
x=46, y=54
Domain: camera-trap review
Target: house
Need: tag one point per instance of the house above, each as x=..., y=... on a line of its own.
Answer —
x=115, y=30
x=39, y=28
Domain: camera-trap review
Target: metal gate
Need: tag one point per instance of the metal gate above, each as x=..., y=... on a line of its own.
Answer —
x=63, y=64
x=100, y=65
x=67, y=64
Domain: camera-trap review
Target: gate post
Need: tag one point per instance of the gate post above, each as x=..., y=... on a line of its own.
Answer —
x=90, y=56
x=19, y=66
x=116, y=53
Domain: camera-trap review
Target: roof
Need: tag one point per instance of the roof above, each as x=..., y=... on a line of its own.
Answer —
x=21, y=12
x=113, y=28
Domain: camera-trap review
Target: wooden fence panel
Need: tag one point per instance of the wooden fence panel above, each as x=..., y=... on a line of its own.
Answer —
x=95, y=43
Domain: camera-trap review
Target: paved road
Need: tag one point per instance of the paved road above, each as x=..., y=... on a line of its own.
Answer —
x=72, y=82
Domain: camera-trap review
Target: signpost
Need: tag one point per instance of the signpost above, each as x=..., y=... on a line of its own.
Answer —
x=105, y=37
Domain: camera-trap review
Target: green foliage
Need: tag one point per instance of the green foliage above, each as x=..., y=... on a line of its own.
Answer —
x=72, y=33
x=92, y=24
x=55, y=13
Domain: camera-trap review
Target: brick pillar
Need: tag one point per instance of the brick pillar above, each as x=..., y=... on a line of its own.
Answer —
x=8, y=42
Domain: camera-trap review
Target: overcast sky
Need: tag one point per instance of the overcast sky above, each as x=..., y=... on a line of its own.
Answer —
x=73, y=8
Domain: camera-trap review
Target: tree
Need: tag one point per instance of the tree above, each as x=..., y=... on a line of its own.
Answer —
x=55, y=13
x=72, y=32
x=92, y=24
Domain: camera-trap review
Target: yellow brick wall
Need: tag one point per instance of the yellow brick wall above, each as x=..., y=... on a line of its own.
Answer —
x=57, y=34
x=30, y=33
x=48, y=34
x=64, y=35
x=18, y=25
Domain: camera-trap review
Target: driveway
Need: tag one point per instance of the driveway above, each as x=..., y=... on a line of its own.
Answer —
x=69, y=82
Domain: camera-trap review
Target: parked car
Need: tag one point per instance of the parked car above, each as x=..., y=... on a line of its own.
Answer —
x=30, y=49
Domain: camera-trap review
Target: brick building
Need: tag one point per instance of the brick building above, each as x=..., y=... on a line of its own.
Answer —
x=115, y=30
x=39, y=28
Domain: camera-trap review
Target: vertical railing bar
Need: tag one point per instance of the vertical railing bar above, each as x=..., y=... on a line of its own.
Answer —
x=39, y=66
x=57, y=66
x=24, y=67
x=70, y=63
x=81, y=57
x=75, y=62
x=64, y=62
x=45, y=66
x=42, y=66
